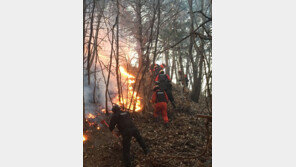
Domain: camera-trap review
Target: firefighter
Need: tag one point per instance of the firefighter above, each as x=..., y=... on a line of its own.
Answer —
x=128, y=130
x=162, y=66
x=156, y=69
x=186, y=80
x=165, y=84
x=183, y=79
x=153, y=69
x=160, y=99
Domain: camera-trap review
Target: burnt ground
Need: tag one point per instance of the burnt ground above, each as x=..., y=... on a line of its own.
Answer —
x=184, y=143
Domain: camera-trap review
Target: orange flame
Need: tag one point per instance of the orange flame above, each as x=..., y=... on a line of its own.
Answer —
x=124, y=73
x=131, y=97
x=84, y=138
x=91, y=116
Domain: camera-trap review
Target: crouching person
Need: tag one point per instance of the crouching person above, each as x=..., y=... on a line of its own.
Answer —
x=128, y=130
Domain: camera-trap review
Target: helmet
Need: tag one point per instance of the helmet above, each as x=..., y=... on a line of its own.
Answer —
x=115, y=108
x=155, y=87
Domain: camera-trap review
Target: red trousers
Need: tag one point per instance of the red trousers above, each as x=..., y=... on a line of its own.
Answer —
x=161, y=107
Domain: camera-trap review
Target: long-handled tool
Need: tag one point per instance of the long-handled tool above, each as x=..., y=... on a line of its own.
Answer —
x=104, y=122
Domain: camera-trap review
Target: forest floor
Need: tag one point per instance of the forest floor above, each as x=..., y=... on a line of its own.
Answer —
x=186, y=142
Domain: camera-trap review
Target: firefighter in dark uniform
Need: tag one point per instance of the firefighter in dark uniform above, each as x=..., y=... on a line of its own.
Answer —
x=164, y=82
x=128, y=130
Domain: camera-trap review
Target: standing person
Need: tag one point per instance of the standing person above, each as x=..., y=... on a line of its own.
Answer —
x=160, y=99
x=157, y=69
x=164, y=82
x=128, y=130
x=183, y=79
x=186, y=80
x=162, y=66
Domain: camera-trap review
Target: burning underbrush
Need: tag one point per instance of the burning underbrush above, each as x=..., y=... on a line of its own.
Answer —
x=95, y=122
x=129, y=99
x=187, y=141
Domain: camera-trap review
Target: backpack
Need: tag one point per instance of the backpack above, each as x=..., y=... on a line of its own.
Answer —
x=160, y=96
x=163, y=81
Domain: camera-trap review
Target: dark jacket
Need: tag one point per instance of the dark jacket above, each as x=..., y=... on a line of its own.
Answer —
x=164, y=80
x=123, y=121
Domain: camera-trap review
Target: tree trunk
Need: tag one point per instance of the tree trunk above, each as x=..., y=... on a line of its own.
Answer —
x=168, y=68
x=110, y=66
x=173, y=67
x=117, y=53
x=157, y=30
x=194, y=94
x=89, y=43
x=139, y=34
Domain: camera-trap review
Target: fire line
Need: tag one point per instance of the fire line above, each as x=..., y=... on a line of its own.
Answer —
x=132, y=96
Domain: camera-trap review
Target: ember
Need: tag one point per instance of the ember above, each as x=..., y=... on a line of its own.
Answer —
x=90, y=123
x=91, y=116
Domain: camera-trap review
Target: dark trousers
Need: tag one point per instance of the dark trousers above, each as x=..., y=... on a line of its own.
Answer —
x=126, y=142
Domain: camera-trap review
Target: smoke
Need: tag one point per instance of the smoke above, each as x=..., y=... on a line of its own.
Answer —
x=94, y=92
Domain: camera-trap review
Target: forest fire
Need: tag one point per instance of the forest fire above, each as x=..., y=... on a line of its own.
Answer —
x=129, y=49
x=91, y=116
x=90, y=119
x=93, y=121
x=131, y=100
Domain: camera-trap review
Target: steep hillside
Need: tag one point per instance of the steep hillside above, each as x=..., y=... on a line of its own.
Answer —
x=183, y=143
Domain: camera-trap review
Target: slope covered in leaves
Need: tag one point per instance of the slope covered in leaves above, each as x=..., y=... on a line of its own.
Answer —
x=183, y=143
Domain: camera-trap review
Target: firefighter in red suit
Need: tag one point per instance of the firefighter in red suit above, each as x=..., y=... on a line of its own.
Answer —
x=164, y=82
x=155, y=70
x=160, y=100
